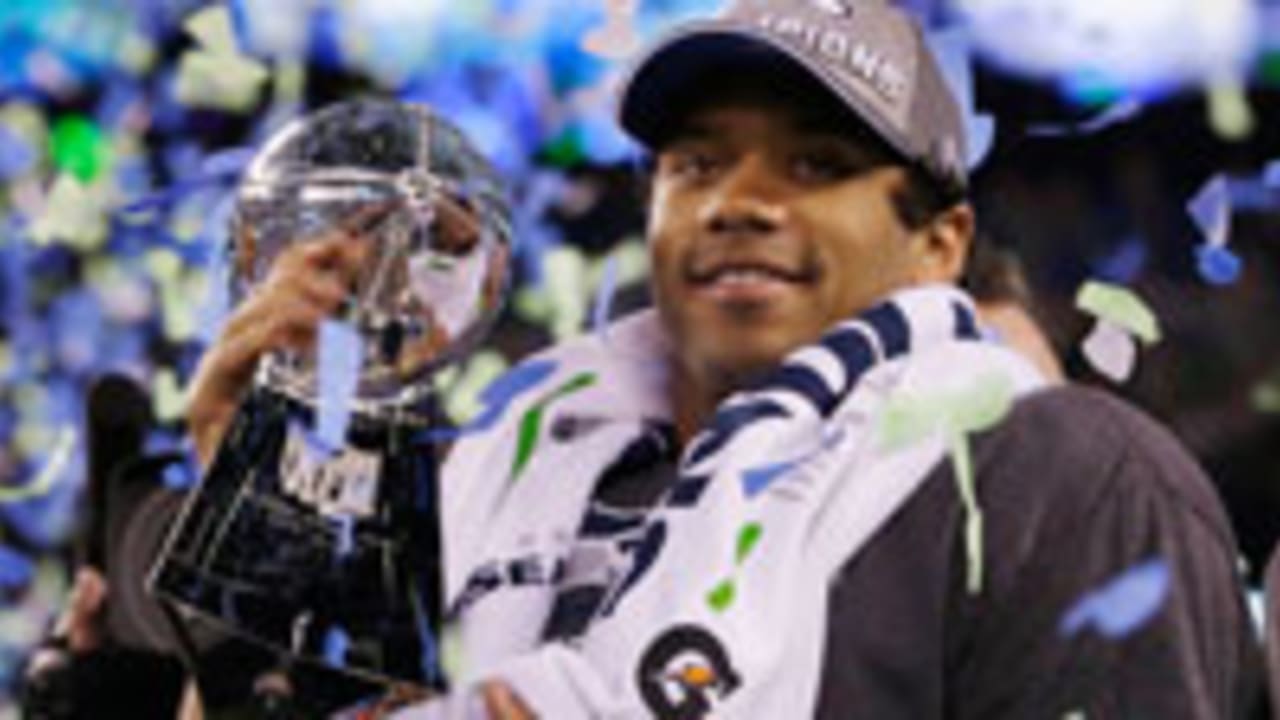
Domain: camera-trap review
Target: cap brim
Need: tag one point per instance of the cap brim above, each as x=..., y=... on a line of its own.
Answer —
x=666, y=74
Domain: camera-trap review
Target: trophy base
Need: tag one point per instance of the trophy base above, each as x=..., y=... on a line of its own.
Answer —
x=328, y=559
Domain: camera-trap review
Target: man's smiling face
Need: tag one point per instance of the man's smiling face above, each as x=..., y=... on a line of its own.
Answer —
x=772, y=218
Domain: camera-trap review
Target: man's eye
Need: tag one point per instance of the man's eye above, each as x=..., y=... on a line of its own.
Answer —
x=823, y=166
x=692, y=164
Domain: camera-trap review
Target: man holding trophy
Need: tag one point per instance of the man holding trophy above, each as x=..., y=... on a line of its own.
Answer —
x=759, y=499
x=381, y=218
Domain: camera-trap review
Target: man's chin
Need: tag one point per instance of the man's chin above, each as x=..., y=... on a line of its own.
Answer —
x=738, y=364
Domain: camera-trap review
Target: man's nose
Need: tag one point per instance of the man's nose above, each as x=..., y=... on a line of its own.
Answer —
x=747, y=199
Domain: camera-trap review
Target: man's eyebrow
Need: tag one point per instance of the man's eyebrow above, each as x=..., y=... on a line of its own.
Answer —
x=825, y=127
x=693, y=129
x=825, y=124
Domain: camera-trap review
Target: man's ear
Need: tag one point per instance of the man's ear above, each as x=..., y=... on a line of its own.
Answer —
x=942, y=245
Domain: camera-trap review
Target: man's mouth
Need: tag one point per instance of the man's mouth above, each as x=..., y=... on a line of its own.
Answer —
x=746, y=281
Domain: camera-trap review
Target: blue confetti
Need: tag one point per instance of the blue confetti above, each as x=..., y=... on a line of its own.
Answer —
x=214, y=170
x=1122, y=605
x=346, y=535
x=16, y=156
x=604, y=142
x=430, y=652
x=16, y=569
x=1124, y=263
x=226, y=163
x=1271, y=176
x=1218, y=265
x=177, y=476
x=602, y=309
x=336, y=643
x=1117, y=113
x=1211, y=210
x=337, y=372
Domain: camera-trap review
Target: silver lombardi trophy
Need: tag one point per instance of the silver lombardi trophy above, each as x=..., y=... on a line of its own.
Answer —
x=332, y=554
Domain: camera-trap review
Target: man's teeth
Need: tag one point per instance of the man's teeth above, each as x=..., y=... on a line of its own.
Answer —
x=744, y=275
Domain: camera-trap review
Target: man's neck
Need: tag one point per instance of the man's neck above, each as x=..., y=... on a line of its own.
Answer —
x=695, y=397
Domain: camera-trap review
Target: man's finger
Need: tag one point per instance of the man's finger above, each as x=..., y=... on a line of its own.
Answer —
x=367, y=218
x=502, y=703
x=79, y=622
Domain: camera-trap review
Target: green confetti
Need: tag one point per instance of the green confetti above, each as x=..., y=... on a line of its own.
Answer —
x=1265, y=397
x=982, y=405
x=216, y=75
x=76, y=147
x=63, y=447
x=169, y=399
x=1230, y=114
x=909, y=417
x=74, y=215
x=531, y=422
x=214, y=30
x=962, y=460
x=1095, y=89
x=1121, y=307
x=1269, y=67
x=748, y=537
x=565, y=150
x=461, y=388
x=565, y=280
x=722, y=596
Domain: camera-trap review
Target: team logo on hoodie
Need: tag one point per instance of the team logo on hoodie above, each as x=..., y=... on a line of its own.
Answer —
x=684, y=673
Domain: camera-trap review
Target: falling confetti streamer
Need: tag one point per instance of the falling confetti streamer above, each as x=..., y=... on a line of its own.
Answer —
x=602, y=308
x=1115, y=114
x=1111, y=351
x=1121, y=307
x=1211, y=210
x=48, y=476
x=338, y=363
x=955, y=414
x=1122, y=316
x=962, y=462
x=1122, y=605
x=911, y=417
